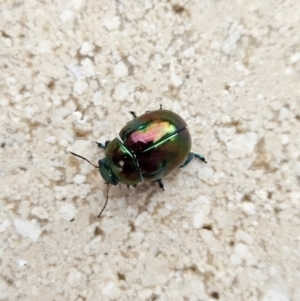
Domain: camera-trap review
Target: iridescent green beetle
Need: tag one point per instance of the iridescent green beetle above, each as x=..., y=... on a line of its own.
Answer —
x=148, y=148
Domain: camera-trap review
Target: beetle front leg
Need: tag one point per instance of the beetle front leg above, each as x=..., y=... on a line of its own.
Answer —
x=133, y=114
x=101, y=145
x=160, y=184
x=191, y=156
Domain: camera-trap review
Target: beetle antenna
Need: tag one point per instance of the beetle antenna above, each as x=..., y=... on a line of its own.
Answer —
x=107, y=190
x=84, y=159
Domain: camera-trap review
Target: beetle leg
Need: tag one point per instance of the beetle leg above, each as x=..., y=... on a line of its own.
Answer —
x=133, y=114
x=191, y=156
x=199, y=156
x=160, y=184
x=160, y=107
x=133, y=185
x=101, y=145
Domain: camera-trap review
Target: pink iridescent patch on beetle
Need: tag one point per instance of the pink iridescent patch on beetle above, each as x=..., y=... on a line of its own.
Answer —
x=153, y=133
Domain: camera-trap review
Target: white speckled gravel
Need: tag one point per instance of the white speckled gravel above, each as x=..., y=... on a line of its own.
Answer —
x=70, y=73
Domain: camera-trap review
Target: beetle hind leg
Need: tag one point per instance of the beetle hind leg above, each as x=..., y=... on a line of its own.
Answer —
x=199, y=156
x=191, y=156
x=103, y=145
x=160, y=184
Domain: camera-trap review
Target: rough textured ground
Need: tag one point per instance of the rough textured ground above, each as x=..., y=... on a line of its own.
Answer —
x=70, y=74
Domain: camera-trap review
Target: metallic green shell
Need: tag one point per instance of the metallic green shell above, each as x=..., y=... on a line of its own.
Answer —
x=151, y=146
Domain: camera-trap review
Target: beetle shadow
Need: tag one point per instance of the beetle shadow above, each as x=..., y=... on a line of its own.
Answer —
x=122, y=190
x=138, y=197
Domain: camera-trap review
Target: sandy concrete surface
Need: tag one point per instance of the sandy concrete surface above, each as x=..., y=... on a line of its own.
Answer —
x=70, y=73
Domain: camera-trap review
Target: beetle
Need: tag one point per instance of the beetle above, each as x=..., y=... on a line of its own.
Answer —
x=148, y=148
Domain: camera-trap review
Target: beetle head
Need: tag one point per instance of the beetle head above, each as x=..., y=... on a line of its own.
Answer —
x=106, y=172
